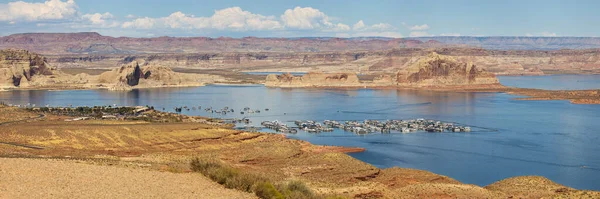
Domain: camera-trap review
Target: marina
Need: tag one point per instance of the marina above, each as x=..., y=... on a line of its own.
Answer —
x=367, y=126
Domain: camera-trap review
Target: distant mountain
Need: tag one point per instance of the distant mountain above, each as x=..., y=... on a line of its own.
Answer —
x=94, y=43
x=519, y=43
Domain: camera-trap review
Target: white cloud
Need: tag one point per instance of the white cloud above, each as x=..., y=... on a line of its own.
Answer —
x=49, y=10
x=233, y=18
x=450, y=34
x=100, y=19
x=380, y=27
x=542, y=34
x=237, y=19
x=303, y=18
x=141, y=23
x=308, y=18
x=420, y=34
x=419, y=27
x=359, y=25
x=64, y=16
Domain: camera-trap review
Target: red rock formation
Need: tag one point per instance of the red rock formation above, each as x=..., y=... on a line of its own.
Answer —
x=438, y=70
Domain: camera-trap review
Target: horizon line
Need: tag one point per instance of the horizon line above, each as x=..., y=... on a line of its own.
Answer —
x=370, y=37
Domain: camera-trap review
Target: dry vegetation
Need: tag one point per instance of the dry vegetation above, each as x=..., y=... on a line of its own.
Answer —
x=270, y=166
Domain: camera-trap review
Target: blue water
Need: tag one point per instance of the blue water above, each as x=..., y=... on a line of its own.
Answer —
x=553, y=82
x=554, y=139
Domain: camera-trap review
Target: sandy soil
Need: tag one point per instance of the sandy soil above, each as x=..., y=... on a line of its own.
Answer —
x=39, y=178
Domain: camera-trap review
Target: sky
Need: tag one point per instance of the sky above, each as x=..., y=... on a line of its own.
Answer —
x=307, y=18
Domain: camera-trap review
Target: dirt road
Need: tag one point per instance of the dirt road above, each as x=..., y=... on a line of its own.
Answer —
x=38, y=178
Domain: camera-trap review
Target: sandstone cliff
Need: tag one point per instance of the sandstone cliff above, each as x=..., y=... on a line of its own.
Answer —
x=314, y=79
x=366, y=62
x=19, y=66
x=437, y=70
x=23, y=69
x=132, y=75
x=128, y=74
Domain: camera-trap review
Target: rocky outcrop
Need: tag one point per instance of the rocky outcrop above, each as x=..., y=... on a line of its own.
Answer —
x=19, y=67
x=314, y=79
x=132, y=75
x=437, y=70
x=128, y=74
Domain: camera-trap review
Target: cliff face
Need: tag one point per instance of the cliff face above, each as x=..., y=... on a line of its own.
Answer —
x=128, y=74
x=439, y=71
x=496, y=61
x=132, y=75
x=18, y=67
x=313, y=79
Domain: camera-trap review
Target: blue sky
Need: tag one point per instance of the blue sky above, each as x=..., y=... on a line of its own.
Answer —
x=336, y=18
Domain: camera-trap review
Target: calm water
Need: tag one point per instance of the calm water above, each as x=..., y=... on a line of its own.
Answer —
x=553, y=82
x=554, y=139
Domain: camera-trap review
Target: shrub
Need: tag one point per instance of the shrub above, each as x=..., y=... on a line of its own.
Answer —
x=232, y=178
x=266, y=190
x=296, y=190
x=242, y=182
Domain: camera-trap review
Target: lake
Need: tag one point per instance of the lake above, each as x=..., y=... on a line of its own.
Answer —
x=553, y=82
x=554, y=139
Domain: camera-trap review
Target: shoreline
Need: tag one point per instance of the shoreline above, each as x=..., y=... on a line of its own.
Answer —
x=327, y=169
x=588, y=96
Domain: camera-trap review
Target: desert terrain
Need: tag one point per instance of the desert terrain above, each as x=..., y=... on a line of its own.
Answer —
x=499, y=55
x=107, y=154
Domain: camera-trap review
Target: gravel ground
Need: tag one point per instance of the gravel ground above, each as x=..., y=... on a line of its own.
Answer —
x=38, y=178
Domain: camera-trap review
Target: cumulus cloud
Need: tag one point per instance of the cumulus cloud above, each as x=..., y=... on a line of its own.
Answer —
x=308, y=18
x=233, y=18
x=101, y=20
x=141, y=23
x=420, y=34
x=64, y=15
x=419, y=27
x=303, y=18
x=49, y=10
x=359, y=25
x=376, y=29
